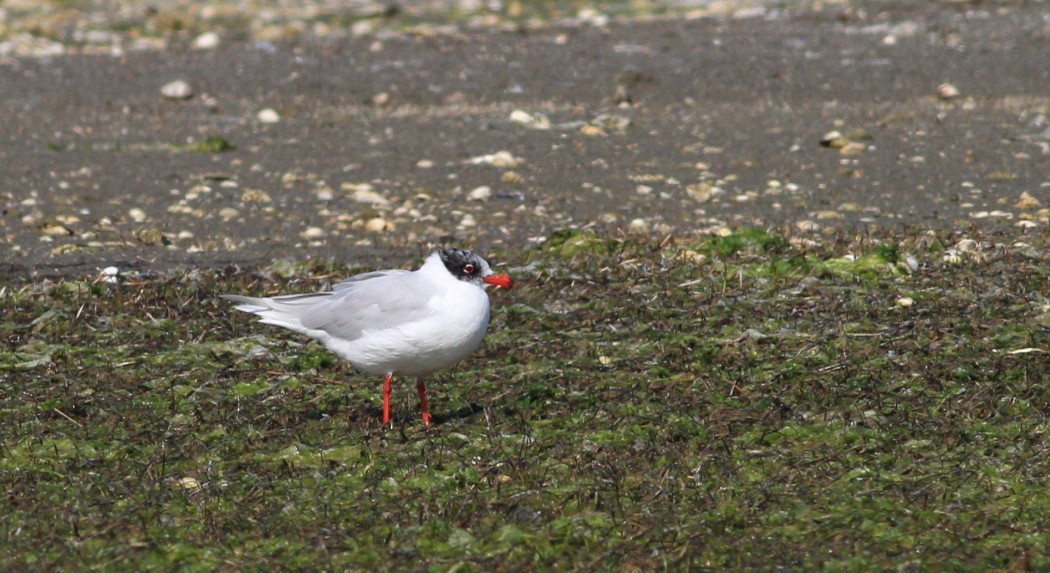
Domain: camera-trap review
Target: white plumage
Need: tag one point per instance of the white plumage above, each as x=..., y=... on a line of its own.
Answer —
x=393, y=321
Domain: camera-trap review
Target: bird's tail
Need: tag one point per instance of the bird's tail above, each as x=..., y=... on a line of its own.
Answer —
x=283, y=311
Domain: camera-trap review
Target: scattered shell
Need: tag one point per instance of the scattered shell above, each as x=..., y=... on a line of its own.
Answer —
x=833, y=139
x=468, y=222
x=268, y=115
x=378, y=225
x=1027, y=201
x=702, y=192
x=30, y=45
x=178, y=89
x=228, y=213
x=511, y=177
x=848, y=144
x=424, y=164
x=853, y=148
x=638, y=225
x=187, y=483
x=481, y=193
x=537, y=121
x=589, y=129
x=151, y=236
x=110, y=275
x=693, y=257
x=255, y=196
x=617, y=123
x=380, y=99
x=498, y=159
x=996, y=214
x=364, y=193
x=905, y=301
x=947, y=91
x=55, y=229
x=65, y=249
x=911, y=262
x=206, y=41
x=311, y=233
x=137, y=215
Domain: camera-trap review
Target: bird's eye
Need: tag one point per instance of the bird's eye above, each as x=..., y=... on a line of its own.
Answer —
x=468, y=268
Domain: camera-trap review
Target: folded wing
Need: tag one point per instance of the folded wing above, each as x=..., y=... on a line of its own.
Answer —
x=368, y=302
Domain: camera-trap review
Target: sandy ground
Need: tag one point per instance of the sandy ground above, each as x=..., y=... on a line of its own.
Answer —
x=364, y=147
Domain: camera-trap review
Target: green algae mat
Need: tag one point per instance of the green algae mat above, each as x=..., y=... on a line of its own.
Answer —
x=762, y=401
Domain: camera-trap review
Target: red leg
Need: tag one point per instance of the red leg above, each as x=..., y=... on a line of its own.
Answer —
x=422, y=389
x=386, y=399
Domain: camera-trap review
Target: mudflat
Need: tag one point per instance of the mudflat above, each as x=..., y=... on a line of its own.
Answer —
x=221, y=147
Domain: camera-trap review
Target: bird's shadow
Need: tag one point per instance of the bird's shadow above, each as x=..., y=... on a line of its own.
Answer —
x=463, y=413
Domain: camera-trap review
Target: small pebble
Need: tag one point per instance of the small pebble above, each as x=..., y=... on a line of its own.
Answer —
x=481, y=193
x=468, y=222
x=377, y=225
x=268, y=115
x=206, y=41
x=592, y=130
x=178, y=89
x=187, y=483
x=498, y=159
x=137, y=215
x=255, y=196
x=364, y=193
x=312, y=233
x=56, y=230
x=380, y=99
x=912, y=263
x=853, y=148
x=110, y=275
x=702, y=192
x=537, y=121
x=1027, y=201
x=947, y=91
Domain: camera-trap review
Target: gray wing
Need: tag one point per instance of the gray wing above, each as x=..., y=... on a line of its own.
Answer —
x=354, y=280
x=372, y=301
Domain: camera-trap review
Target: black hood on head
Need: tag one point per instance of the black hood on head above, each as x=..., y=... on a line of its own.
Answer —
x=464, y=264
